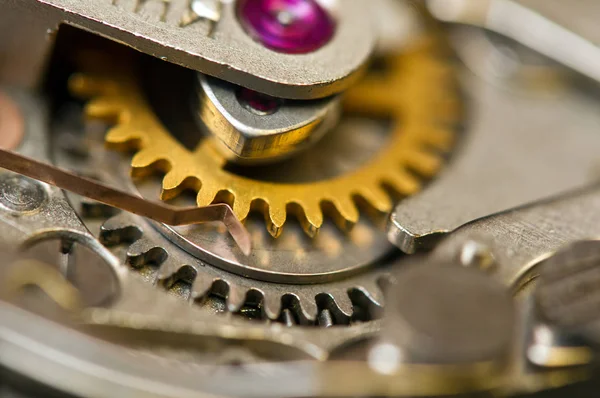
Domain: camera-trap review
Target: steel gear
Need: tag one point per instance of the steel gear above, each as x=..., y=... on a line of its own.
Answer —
x=354, y=299
x=413, y=95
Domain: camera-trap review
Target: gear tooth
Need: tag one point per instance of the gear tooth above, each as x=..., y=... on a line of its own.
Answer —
x=173, y=184
x=86, y=86
x=374, y=293
x=180, y=282
x=450, y=110
x=139, y=248
x=309, y=215
x=120, y=137
x=366, y=299
x=271, y=305
x=201, y=287
x=172, y=180
x=344, y=212
x=102, y=108
x=308, y=307
x=275, y=219
x=235, y=298
x=437, y=138
x=334, y=308
x=424, y=163
x=205, y=196
x=376, y=197
x=142, y=252
x=119, y=229
x=168, y=267
x=241, y=207
x=402, y=182
x=117, y=222
x=144, y=159
x=343, y=303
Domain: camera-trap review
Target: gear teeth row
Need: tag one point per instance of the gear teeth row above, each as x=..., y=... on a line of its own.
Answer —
x=417, y=96
x=336, y=307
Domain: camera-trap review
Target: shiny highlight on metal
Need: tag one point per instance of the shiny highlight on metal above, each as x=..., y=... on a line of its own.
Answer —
x=250, y=136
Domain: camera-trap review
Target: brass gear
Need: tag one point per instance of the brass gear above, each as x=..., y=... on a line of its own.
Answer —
x=417, y=94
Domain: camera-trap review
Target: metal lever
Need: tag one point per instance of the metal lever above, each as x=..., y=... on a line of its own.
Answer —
x=156, y=211
x=219, y=38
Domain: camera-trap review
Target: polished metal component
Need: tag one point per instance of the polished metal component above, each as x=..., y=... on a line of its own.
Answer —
x=11, y=123
x=517, y=149
x=19, y=193
x=564, y=31
x=221, y=49
x=249, y=136
x=519, y=239
x=96, y=190
x=443, y=313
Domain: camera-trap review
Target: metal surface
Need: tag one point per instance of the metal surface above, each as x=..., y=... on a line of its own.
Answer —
x=517, y=149
x=444, y=313
x=564, y=31
x=113, y=197
x=418, y=80
x=24, y=47
x=222, y=49
x=250, y=137
x=91, y=367
x=20, y=194
x=519, y=239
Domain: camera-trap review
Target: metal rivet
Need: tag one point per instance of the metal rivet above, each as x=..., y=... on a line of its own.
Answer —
x=21, y=194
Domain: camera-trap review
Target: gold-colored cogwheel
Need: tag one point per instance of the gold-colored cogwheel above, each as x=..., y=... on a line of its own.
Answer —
x=418, y=94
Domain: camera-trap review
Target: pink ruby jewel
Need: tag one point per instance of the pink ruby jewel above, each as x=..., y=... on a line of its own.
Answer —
x=288, y=26
x=259, y=103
